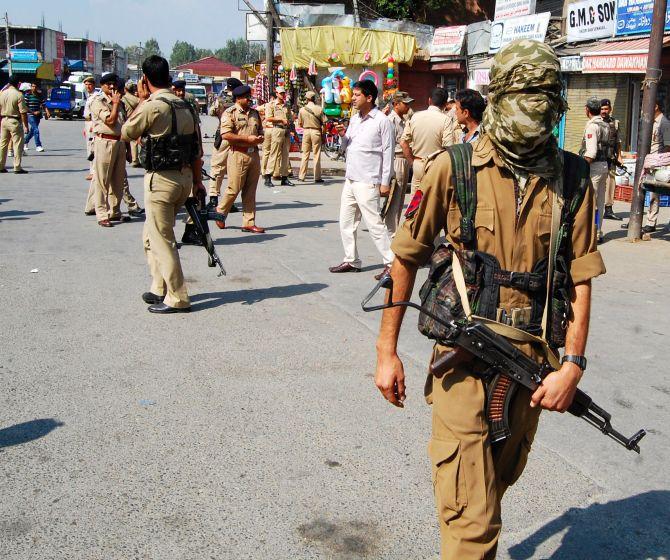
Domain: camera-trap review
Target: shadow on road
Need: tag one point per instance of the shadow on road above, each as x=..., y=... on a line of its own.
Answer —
x=249, y=297
x=59, y=170
x=18, y=214
x=247, y=238
x=634, y=527
x=295, y=206
x=27, y=431
x=299, y=225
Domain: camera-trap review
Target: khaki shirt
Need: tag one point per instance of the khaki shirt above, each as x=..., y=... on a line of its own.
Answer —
x=101, y=108
x=130, y=102
x=399, y=127
x=12, y=103
x=428, y=131
x=593, y=134
x=154, y=117
x=660, y=134
x=274, y=109
x=516, y=245
x=237, y=121
x=309, y=120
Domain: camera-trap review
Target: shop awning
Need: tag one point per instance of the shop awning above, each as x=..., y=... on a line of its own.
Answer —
x=614, y=57
x=76, y=65
x=448, y=66
x=344, y=46
x=23, y=67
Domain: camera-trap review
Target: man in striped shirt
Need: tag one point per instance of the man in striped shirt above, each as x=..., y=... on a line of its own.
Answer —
x=35, y=107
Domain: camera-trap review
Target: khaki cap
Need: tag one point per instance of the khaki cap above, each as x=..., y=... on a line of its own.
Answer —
x=310, y=95
x=399, y=96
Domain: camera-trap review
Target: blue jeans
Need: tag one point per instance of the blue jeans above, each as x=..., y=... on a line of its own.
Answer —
x=34, y=124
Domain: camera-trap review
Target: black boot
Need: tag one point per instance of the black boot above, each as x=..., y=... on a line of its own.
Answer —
x=610, y=215
x=285, y=182
x=191, y=236
x=233, y=209
x=213, y=203
x=268, y=181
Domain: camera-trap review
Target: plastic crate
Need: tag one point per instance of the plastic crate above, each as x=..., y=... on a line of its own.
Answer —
x=623, y=193
x=664, y=200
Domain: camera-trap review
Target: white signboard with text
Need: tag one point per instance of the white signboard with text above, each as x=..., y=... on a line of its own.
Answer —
x=513, y=8
x=527, y=27
x=448, y=41
x=591, y=19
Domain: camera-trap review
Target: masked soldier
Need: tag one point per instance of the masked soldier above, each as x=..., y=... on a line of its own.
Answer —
x=242, y=128
x=281, y=117
x=518, y=170
x=595, y=150
x=13, y=123
x=171, y=155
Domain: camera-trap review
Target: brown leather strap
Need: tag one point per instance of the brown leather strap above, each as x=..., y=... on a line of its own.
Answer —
x=109, y=136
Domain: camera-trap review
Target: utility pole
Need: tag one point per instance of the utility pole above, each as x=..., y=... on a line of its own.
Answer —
x=270, y=41
x=139, y=61
x=357, y=18
x=650, y=85
x=9, y=53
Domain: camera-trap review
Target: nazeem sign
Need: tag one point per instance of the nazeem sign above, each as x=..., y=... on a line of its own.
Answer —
x=591, y=19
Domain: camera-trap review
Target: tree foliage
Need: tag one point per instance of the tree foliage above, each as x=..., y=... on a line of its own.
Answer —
x=182, y=52
x=137, y=54
x=239, y=51
x=151, y=47
x=436, y=12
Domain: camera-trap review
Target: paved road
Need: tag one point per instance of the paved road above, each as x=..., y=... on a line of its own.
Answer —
x=251, y=427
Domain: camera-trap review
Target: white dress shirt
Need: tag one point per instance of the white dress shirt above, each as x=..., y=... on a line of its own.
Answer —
x=369, y=143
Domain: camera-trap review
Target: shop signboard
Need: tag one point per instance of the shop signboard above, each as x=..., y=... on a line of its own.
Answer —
x=591, y=19
x=24, y=55
x=482, y=77
x=571, y=63
x=58, y=67
x=90, y=52
x=615, y=64
x=527, y=27
x=448, y=41
x=60, y=45
x=634, y=16
x=513, y=8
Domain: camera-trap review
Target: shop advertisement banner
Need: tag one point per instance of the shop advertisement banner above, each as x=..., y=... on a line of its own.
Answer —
x=614, y=64
x=448, y=41
x=58, y=67
x=513, y=8
x=527, y=27
x=634, y=16
x=591, y=19
x=571, y=63
x=90, y=52
x=482, y=77
x=60, y=45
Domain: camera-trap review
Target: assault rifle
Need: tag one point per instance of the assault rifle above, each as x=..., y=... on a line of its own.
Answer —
x=199, y=214
x=507, y=368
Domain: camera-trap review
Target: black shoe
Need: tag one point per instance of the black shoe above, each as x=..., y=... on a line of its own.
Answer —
x=268, y=181
x=20, y=171
x=3, y=170
x=610, y=215
x=150, y=297
x=648, y=229
x=319, y=181
x=213, y=203
x=162, y=308
x=233, y=209
x=137, y=212
x=191, y=236
x=90, y=157
x=624, y=226
x=285, y=182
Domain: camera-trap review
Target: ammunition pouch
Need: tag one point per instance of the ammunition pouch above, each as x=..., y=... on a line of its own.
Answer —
x=171, y=151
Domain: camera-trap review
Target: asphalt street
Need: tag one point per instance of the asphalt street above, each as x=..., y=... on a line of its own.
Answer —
x=251, y=427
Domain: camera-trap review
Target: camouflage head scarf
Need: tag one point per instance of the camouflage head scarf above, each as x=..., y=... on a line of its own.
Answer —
x=525, y=104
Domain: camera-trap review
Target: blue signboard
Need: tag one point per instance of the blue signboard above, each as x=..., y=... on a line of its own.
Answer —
x=634, y=16
x=24, y=55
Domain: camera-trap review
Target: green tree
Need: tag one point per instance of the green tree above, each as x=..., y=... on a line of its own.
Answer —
x=151, y=47
x=202, y=53
x=437, y=12
x=239, y=51
x=182, y=52
x=138, y=54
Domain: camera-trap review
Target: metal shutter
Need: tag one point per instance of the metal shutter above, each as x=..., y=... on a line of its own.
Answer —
x=615, y=87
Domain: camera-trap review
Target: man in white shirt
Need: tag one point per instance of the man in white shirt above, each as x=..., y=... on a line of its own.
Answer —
x=369, y=142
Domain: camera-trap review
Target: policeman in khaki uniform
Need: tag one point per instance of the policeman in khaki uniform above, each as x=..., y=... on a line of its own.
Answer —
x=401, y=106
x=109, y=161
x=515, y=171
x=280, y=115
x=310, y=118
x=595, y=146
x=267, y=142
x=427, y=132
x=14, y=115
x=615, y=153
x=220, y=156
x=130, y=102
x=242, y=128
x=165, y=190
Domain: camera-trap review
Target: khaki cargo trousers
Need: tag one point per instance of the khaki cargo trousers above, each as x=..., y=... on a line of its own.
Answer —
x=11, y=129
x=311, y=143
x=470, y=475
x=218, y=168
x=244, y=170
x=278, y=164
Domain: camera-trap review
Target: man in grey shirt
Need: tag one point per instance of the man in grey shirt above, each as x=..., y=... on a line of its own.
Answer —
x=660, y=143
x=369, y=142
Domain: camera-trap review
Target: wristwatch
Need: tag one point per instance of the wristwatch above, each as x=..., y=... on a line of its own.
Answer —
x=580, y=361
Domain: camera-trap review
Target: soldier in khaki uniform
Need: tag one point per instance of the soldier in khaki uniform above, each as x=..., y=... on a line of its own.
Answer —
x=594, y=150
x=165, y=191
x=310, y=118
x=242, y=128
x=400, y=103
x=109, y=152
x=515, y=171
x=427, y=132
x=219, y=159
x=130, y=102
x=13, y=123
x=267, y=141
x=281, y=117
x=615, y=153
x=660, y=143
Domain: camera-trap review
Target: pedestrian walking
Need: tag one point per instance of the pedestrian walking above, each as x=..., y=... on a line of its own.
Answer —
x=13, y=123
x=36, y=111
x=369, y=142
x=310, y=118
x=171, y=128
x=517, y=169
x=660, y=143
